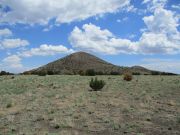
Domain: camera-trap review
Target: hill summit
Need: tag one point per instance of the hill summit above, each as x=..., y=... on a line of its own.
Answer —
x=81, y=62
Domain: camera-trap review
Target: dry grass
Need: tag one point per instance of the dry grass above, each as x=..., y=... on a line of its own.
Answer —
x=54, y=105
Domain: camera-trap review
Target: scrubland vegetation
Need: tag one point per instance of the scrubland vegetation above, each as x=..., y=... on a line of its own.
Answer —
x=65, y=105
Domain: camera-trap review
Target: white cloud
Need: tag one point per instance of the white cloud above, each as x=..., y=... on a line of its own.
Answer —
x=176, y=6
x=13, y=43
x=64, y=11
x=92, y=38
x=151, y=43
x=154, y=4
x=5, y=32
x=48, y=28
x=122, y=20
x=13, y=61
x=162, y=21
x=160, y=36
x=13, y=64
x=132, y=36
x=168, y=65
x=46, y=50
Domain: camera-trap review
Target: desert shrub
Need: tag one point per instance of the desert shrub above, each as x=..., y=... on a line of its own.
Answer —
x=128, y=76
x=155, y=73
x=164, y=73
x=136, y=73
x=50, y=72
x=114, y=73
x=96, y=84
x=99, y=73
x=90, y=72
x=81, y=72
x=9, y=105
x=42, y=73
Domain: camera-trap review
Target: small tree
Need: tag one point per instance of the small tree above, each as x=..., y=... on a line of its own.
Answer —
x=96, y=84
x=90, y=72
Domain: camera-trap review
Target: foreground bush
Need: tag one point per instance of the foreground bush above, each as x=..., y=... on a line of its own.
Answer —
x=128, y=76
x=96, y=84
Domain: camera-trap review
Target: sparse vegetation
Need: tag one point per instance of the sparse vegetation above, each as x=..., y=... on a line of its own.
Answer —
x=96, y=84
x=31, y=102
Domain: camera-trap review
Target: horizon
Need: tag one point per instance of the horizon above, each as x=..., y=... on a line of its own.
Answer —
x=122, y=32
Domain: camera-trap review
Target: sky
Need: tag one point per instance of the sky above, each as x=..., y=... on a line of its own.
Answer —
x=123, y=32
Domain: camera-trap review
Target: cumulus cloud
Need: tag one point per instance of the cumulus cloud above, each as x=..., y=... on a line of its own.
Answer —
x=162, y=21
x=160, y=37
x=13, y=43
x=64, y=11
x=46, y=50
x=168, y=65
x=13, y=61
x=151, y=43
x=5, y=32
x=94, y=39
x=13, y=64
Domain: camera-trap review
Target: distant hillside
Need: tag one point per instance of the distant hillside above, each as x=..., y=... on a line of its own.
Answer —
x=81, y=62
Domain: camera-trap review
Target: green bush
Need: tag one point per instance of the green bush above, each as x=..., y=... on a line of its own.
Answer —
x=50, y=72
x=114, y=73
x=136, y=73
x=42, y=73
x=96, y=84
x=99, y=73
x=90, y=72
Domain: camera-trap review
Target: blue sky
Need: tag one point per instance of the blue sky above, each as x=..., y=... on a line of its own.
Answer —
x=123, y=32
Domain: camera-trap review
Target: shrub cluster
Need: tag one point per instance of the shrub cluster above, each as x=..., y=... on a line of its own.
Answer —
x=114, y=73
x=42, y=73
x=5, y=73
x=136, y=73
x=128, y=76
x=96, y=84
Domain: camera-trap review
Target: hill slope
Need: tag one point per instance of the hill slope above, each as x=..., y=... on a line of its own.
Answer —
x=81, y=62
